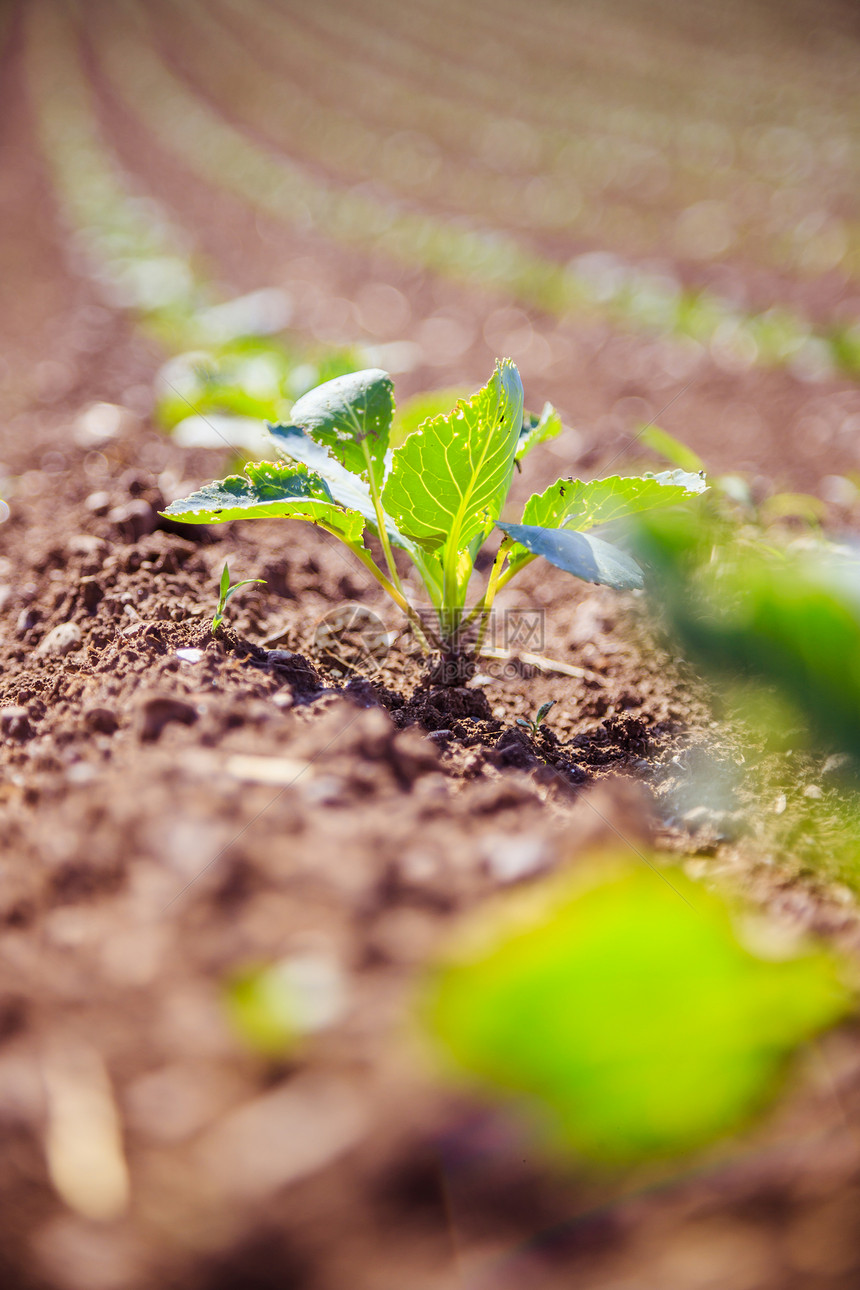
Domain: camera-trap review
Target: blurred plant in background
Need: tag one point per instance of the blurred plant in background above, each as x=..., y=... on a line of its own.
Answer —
x=236, y=363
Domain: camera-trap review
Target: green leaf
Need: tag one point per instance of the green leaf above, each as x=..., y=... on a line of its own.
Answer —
x=623, y=1009
x=573, y=504
x=351, y=417
x=225, y=581
x=246, y=582
x=346, y=488
x=789, y=620
x=450, y=477
x=537, y=430
x=266, y=491
x=207, y=384
x=582, y=554
x=349, y=490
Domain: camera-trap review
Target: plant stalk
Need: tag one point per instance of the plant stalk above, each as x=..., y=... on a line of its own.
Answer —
x=512, y=573
x=485, y=605
x=384, y=539
x=426, y=638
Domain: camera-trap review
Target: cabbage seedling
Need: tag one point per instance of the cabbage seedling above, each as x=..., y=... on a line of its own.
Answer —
x=226, y=592
x=540, y=716
x=437, y=497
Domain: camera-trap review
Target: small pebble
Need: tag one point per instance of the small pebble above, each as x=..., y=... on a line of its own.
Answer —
x=81, y=772
x=190, y=655
x=135, y=520
x=835, y=764
x=327, y=790
x=100, y=423
x=86, y=544
x=26, y=621
x=98, y=503
x=60, y=640
x=512, y=859
x=813, y=791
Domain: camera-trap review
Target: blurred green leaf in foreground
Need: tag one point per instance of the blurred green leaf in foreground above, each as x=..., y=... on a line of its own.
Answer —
x=622, y=1010
x=747, y=611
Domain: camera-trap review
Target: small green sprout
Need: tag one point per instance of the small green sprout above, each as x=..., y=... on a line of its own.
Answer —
x=542, y=712
x=261, y=1011
x=226, y=592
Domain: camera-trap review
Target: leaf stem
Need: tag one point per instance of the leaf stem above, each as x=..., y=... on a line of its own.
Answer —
x=380, y=520
x=512, y=571
x=485, y=605
x=394, y=592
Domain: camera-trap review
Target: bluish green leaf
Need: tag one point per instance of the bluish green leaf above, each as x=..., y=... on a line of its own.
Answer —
x=349, y=490
x=267, y=491
x=582, y=554
x=450, y=477
x=351, y=417
x=573, y=504
x=621, y=1006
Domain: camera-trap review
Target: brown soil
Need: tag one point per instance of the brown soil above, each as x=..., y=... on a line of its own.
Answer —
x=177, y=807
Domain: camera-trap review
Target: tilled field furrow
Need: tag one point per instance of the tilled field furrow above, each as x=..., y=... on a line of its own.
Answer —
x=544, y=208
x=225, y=155
x=473, y=48
x=750, y=158
x=586, y=370
x=308, y=113
x=657, y=62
